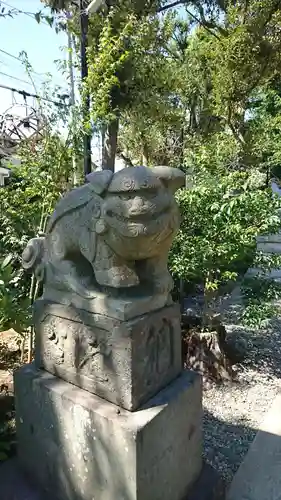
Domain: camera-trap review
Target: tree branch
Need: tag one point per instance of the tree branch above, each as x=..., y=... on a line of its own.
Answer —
x=209, y=24
x=183, y=2
x=171, y=5
x=126, y=159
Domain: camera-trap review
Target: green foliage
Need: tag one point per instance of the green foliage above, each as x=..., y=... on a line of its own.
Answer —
x=265, y=127
x=38, y=182
x=43, y=175
x=220, y=69
x=260, y=299
x=265, y=262
x=125, y=58
x=221, y=217
x=257, y=313
x=14, y=301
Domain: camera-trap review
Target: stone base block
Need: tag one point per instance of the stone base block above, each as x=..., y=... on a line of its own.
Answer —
x=80, y=447
x=209, y=486
x=122, y=308
x=269, y=247
x=125, y=362
x=273, y=274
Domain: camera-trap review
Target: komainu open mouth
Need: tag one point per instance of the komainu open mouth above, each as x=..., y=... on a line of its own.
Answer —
x=138, y=218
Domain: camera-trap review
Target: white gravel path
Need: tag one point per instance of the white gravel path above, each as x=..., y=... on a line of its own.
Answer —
x=233, y=412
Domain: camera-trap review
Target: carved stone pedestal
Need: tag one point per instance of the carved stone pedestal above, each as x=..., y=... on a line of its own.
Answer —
x=125, y=362
x=78, y=446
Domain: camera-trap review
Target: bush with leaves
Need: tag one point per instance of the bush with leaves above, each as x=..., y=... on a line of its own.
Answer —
x=260, y=297
x=221, y=216
x=222, y=213
x=38, y=182
x=14, y=302
x=26, y=203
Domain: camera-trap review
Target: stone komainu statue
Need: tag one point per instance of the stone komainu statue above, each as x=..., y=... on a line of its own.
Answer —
x=114, y=232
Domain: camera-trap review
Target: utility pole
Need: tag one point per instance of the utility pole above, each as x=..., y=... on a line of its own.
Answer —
x=70, y=66
x=93, y=6
x=72, y=104
x=84, y=74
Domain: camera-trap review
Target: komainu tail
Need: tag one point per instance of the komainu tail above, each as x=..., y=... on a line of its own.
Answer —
x=32, y=257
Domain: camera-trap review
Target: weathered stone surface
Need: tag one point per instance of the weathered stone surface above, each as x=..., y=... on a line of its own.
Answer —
x=123, y=308
x=107, y=334
x=268, y=238
x=80, y=447
x=113, y=233
x=269, y=247
x=269, y=243
x=123, y=362
x=209, y=485
x=272, y=274
x=17, y=486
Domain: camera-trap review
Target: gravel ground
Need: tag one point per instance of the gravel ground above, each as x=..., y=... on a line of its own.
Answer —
x=234, y=412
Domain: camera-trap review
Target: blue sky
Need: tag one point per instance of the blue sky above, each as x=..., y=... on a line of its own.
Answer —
x=42, y=44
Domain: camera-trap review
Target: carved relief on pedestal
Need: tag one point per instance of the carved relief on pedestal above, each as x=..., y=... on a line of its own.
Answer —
x=159, y=349
x=55, y=339
x=124, y=361
x=73, y=345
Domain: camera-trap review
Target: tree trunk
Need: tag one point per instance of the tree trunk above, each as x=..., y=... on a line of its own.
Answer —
x=207, y=351
x=145, y=154
x=109, y=145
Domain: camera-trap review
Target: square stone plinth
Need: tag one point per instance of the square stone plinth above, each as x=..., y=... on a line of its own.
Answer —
x=125, y=362
x=77, y=446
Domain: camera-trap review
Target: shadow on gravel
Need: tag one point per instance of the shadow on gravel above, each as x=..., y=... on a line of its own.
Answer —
x=265, y=351
x=262, y=347
x=232, y=442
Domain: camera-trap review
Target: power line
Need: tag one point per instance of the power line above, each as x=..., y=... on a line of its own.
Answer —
x=34, y=79
x=18, y=59
x=41, y=75
x=27, y=94
x=29, y=14
x=15, y=78
x=11, y=55
x=38, y=78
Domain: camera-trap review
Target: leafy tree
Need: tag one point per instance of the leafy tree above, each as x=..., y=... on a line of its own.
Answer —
x=127, y=69
x=221, y=56
x=43, y=175
x=221, y=217
x=129, y=73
